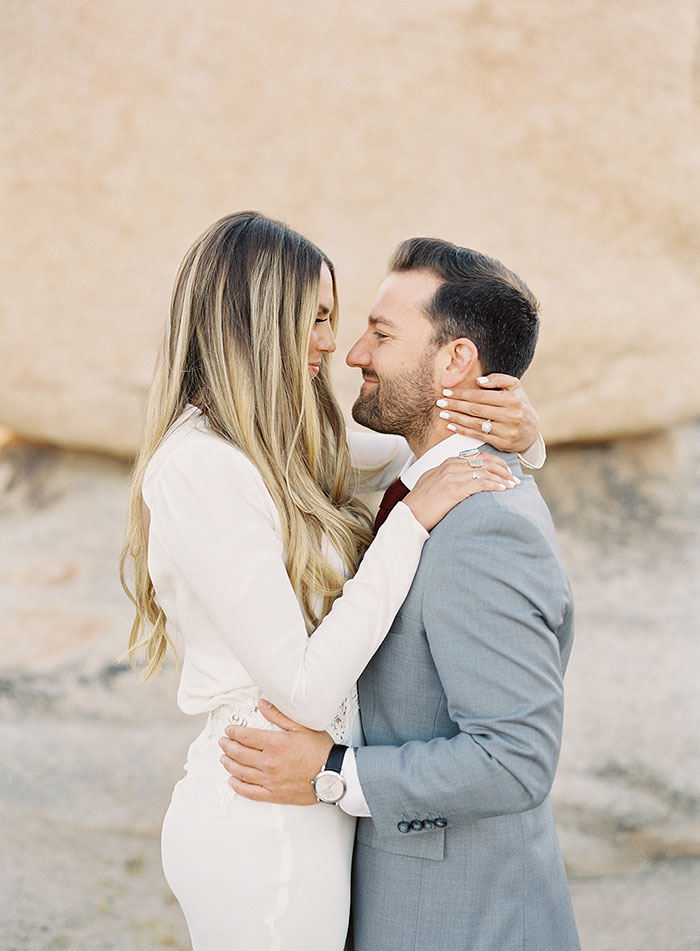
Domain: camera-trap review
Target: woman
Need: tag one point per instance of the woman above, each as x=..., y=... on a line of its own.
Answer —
x=243, y=530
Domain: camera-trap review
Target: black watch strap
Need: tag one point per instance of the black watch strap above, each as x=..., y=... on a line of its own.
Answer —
x=335, y=757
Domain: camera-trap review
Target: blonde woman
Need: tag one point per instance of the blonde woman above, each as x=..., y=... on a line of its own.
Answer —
x=244, y=528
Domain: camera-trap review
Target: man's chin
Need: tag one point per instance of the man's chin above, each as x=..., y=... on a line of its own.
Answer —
x=366, y=414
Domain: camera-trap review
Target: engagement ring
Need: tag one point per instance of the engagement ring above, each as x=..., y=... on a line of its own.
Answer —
x=486, y=426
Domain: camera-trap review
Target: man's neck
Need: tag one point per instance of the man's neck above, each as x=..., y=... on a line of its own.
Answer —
x=420, y=444
x=424, y=438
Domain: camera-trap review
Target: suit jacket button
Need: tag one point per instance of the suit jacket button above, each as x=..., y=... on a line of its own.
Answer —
x=416, y=825
x=441, y=823
x=404, y=827
x=428, y=824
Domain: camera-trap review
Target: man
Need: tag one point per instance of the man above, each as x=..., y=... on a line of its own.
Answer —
x=462, y=705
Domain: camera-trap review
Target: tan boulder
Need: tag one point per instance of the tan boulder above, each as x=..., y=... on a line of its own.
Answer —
x=564, y=141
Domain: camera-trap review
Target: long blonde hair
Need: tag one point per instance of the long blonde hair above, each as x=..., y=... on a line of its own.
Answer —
x=236, y=345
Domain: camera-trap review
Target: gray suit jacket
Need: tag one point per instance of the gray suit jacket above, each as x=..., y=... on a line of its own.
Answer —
x=462, y=712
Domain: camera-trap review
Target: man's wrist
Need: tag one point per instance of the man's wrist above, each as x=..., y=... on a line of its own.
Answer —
x=329, y=784
x=353, y=802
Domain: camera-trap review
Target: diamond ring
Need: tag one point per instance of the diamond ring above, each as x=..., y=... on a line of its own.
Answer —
x=486, y=426
x=475, y=462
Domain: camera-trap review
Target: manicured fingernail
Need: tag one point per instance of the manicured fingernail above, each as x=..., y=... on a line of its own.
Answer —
x=264, y=704
x=516, y=480
x=452, y=427
x=441, y=403
x=447, y=392
x=482, y=379
x=444, y=415
x=511, y=484
x=501, y=486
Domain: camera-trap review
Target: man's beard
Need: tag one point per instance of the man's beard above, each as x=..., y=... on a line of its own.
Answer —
x=404, y=405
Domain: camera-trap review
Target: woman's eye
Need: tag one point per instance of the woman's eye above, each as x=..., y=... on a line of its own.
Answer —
x=321, y=320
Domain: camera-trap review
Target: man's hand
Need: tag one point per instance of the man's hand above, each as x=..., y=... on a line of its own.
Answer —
x=271, y=766
x=500, y=399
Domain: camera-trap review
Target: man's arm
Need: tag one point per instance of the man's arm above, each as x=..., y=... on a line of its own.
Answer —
x=278, y=766
x=492, y=604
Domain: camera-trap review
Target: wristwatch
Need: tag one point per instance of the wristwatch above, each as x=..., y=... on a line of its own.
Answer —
x=329, y=785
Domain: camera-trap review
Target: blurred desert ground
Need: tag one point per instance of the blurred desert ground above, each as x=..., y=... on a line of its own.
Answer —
x=563, y=139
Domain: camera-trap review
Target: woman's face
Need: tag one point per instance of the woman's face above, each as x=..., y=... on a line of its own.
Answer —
x=322, y=339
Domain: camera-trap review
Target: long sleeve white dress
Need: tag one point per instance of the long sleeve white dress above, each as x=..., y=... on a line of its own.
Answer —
x=255, y=876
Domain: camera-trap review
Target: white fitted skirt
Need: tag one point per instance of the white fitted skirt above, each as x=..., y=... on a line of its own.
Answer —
x=253, y=876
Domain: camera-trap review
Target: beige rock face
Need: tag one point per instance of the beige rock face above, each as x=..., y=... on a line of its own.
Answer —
x=563, y=140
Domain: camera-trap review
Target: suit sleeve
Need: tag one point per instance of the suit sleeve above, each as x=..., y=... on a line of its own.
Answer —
x=492, y=604
x=212, y=513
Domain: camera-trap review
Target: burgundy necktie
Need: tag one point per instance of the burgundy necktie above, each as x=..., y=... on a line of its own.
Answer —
x=396, y=491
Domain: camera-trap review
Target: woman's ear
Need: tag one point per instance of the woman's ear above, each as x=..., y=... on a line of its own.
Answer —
x=457, y=361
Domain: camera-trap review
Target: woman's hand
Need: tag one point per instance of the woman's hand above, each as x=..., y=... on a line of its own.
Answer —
x=440, y=489
x=500, y=399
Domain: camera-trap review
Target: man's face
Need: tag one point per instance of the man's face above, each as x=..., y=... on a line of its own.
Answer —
x=397, y=357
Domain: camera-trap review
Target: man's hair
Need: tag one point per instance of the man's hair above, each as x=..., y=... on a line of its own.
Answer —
x=479, y=299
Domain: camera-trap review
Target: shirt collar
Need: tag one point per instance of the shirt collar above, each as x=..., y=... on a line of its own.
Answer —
x=452, y=446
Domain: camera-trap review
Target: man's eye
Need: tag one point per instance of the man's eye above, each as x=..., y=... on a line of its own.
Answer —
x=380, y=336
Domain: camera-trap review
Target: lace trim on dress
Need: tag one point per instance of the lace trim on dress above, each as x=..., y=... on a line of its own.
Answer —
x=247, y=713
x=342, y=725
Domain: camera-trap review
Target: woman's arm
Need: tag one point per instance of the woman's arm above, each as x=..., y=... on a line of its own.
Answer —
x=211, y=512
x=378, y=458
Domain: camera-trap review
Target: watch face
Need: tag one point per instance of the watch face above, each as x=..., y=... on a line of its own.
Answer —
x=329, y=786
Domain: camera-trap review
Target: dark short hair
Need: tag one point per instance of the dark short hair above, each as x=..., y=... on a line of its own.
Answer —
x=480, y=299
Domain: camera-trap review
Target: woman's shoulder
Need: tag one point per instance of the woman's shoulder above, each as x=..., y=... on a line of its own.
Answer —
x=192, y=449
x=370, y=449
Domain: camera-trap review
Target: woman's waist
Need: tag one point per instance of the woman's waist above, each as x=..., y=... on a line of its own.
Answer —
x=239, y=711
x=244, y=710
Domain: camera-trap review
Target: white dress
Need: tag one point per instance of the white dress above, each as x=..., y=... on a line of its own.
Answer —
x=255, y=876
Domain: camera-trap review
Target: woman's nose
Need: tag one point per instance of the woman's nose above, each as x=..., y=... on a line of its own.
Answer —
x=326, y=340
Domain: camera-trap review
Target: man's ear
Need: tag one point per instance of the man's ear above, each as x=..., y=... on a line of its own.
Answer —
x=457, y=360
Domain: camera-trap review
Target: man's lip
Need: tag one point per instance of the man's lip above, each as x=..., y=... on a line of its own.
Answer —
x=369, y=379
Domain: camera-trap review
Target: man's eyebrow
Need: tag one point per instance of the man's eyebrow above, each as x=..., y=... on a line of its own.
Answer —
x=375, y=319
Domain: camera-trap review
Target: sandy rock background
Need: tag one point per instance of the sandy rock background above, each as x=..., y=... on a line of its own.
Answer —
x=90, y=755
x=564, y=139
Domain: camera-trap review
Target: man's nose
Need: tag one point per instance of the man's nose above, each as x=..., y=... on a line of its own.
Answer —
x=358, y=355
